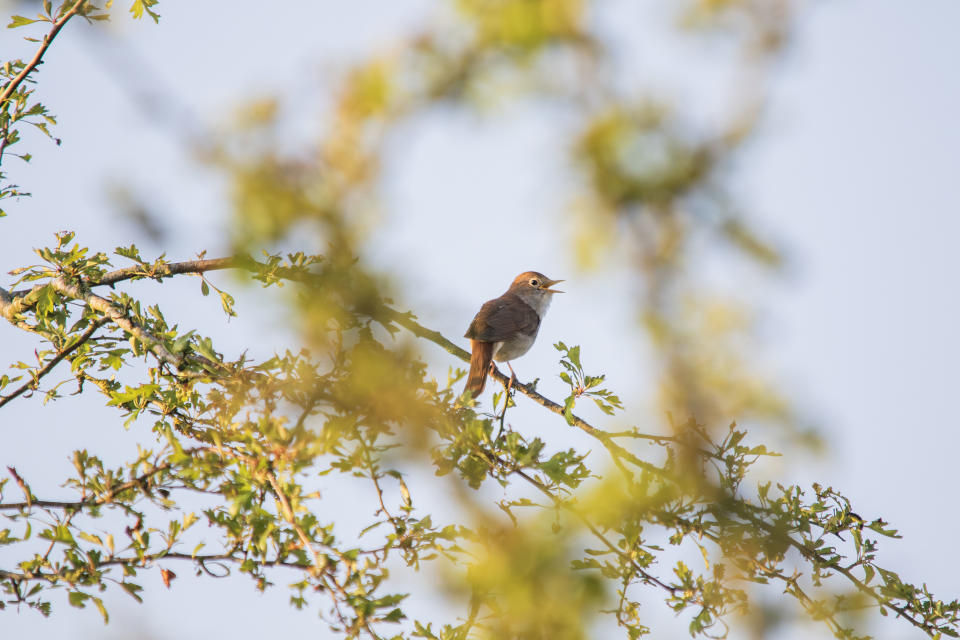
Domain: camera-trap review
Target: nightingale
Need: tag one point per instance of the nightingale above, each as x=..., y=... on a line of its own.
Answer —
x=506, y=327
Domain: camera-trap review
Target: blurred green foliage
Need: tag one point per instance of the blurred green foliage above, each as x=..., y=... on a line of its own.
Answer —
x=548, y=542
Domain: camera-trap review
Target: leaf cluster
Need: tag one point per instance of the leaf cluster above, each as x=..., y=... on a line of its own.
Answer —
x=245, y=446
x=18, y=105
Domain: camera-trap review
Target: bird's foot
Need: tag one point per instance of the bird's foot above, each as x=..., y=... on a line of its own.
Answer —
x=513, y=376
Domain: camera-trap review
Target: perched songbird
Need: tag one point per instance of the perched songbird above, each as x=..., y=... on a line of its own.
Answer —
x=506, y=327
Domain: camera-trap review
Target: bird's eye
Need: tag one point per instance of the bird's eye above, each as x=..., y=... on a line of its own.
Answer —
x=535, y=282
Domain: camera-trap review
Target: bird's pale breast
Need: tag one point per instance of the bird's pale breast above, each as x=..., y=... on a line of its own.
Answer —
x=514, y=347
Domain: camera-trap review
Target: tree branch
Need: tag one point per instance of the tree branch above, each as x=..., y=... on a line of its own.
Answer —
x=47, y=368
x=107, y=497
x=38, y=56
x=11, y=304
x=18, y=301
x=37, y=59
x=144, y=560
x=107, y=308
x=563, y=504
x=168, y=269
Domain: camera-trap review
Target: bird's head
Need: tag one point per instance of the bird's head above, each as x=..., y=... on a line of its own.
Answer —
x=534, y=282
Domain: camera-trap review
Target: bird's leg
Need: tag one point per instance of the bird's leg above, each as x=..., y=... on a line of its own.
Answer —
x=513, y=378
x=513, y=375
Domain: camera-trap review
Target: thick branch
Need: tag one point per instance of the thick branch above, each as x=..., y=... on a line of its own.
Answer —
x=169, y=269
x=107, y=308
x=18, y=302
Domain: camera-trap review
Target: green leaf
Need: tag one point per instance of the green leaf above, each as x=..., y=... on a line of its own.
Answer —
x=204, y=346
x=130, y=252
x=78, y=599
x=60, y=533
x=227, y=301
x=574, y=355
x=46, y=300
x=102, y=609
x=89, y=537
x=139, y=7
x=19, y=21
x=568, y=409
x=181, y=343
x=133, y=590
x=394, y=616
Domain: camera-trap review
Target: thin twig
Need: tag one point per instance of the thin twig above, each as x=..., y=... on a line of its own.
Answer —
x=38, y=56
x=47, y=368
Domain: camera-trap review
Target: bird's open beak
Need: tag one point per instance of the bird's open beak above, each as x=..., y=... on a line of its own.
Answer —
x=549, y=283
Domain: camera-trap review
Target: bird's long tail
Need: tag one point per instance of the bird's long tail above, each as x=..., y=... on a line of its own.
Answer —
x=480, y=358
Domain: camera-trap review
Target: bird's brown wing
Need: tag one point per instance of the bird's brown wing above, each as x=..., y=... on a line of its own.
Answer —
x=503, y=317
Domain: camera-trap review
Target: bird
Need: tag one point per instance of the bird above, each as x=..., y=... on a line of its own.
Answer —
x=505, y=328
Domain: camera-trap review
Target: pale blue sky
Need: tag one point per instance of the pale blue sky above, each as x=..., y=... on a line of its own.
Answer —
x=856, y=172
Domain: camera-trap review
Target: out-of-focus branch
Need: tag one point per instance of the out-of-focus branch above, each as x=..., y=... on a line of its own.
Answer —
x=648, y=577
